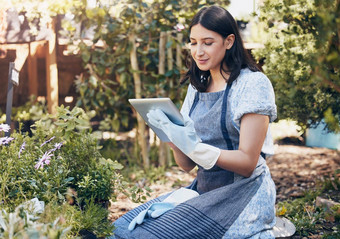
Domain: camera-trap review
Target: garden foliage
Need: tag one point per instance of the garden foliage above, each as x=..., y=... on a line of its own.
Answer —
x=302, y=58
x=60, y=164
x=108, y=82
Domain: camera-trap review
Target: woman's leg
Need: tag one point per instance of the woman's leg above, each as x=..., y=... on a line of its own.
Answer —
x=258, y=218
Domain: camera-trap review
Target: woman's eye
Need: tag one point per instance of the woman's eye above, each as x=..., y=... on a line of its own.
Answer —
x=208, y=43
x=193, y=43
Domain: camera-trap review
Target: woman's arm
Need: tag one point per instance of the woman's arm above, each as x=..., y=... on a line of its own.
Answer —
x=242, y=161
x=252, y=135
x=181, y=159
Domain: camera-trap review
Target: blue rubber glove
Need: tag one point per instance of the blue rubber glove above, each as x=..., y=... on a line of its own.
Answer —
x=159, y=208
x=153, y=211
x=185, y=138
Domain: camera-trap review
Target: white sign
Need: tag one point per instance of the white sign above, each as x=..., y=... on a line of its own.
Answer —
x=15, y=76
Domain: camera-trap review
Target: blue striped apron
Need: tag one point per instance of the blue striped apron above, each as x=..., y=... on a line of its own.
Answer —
x=221, y=198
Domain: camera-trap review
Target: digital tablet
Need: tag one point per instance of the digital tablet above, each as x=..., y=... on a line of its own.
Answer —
x=143, y=106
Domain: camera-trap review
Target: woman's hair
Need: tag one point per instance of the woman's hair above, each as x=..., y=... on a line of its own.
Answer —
x=219, y=20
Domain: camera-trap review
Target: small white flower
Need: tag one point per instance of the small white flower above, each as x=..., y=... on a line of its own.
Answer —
x=4, y=127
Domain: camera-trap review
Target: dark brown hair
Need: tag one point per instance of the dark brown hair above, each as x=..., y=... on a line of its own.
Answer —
x=219, y=20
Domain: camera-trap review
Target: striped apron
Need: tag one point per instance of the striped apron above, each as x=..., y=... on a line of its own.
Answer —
x=224, y=196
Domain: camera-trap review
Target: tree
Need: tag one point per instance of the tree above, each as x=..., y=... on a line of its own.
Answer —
x=110, y=79
x=302, y=58
x=122, y=29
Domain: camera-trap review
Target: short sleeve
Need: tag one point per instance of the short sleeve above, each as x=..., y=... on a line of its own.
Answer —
x=254, y=94
x=188, y=100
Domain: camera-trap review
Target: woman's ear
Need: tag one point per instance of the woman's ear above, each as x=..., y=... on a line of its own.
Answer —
x=229, y=41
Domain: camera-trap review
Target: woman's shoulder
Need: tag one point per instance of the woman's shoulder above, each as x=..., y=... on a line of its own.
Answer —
x=248, y=75
x=191, y=88
x=248, y=78
x=191, y=91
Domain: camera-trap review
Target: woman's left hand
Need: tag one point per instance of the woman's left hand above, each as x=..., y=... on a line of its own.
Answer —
x=184, y=137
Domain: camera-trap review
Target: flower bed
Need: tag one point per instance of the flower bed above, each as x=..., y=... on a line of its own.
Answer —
x=60, y=166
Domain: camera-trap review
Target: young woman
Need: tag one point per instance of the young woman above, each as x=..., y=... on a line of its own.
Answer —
x=227, y=111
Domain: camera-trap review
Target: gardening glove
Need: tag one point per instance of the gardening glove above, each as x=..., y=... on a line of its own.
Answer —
x=185, y=138
x=159, y=208
x=153, y=211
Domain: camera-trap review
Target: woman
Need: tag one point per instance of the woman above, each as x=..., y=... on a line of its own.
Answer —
x=227, y=111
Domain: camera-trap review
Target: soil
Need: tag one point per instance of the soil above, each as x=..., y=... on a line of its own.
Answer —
x=294, y=169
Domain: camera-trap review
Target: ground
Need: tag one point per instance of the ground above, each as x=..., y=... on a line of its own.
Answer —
x=297, y=168
x=294, y=169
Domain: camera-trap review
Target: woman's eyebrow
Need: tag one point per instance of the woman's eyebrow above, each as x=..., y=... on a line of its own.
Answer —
x=205, y=38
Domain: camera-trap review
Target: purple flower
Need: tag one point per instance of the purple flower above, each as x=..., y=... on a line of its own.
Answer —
x=57, y=146
x=5, y=140
x=47, y=141
x=44, y=160
x=22, y=148
x=4, y=127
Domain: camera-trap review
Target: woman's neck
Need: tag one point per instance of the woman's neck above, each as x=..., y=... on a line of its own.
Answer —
x=217, y=81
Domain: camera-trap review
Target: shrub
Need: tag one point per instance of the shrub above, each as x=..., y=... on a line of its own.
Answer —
x=302, y=59
x=59, y=164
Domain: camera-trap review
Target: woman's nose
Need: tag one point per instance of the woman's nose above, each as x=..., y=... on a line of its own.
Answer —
x=200, y=51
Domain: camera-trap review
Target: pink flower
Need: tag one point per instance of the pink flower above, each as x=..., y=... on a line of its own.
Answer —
x=179, y=27
x=4, y=127
x=57, y=146
x=44, y=160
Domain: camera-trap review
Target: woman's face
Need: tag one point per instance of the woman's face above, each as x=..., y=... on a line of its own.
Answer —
x=207, y=48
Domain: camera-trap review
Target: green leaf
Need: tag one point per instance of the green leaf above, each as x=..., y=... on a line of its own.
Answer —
x=85, y=56
x=93, y=81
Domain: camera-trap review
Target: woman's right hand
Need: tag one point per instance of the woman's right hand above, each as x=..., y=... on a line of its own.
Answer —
x=188, y=143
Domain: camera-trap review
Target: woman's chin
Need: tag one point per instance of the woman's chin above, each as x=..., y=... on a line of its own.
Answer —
x=203, y=68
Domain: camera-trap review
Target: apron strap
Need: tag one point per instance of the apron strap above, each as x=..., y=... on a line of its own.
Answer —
x=195, y=103
x=223, y=121
x=223, y=118
x=223, y=115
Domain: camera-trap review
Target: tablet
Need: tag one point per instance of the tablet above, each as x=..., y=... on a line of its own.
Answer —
x=143, y=106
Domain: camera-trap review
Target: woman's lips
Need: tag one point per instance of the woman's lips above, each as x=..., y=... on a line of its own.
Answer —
x=202, y=61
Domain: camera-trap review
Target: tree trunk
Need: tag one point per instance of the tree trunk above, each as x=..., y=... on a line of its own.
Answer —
x=52, y=72
x=138, y=88
x=179, y=51
x=170, y=58
x=162, y=152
